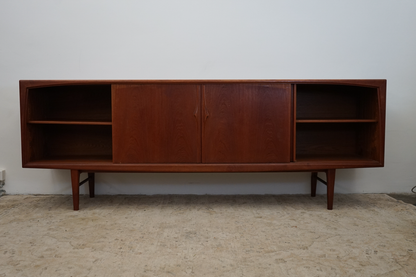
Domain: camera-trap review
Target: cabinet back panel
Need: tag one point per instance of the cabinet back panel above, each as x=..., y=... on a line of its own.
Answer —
x=336, y=140
x=335, y=102
x=77, y=103
x=70, y=141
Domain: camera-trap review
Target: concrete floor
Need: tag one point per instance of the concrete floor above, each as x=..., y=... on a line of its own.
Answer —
x=284, y=235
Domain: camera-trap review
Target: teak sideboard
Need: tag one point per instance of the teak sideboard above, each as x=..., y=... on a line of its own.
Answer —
x=202, y=126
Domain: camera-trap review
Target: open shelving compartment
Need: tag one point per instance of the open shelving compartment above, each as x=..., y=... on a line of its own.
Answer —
x=336, y=122
x=69, y=123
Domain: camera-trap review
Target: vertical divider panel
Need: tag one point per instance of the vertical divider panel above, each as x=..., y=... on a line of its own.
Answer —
x=112, y=120
x=293, y=134
x=203, y=122
x=201, y=125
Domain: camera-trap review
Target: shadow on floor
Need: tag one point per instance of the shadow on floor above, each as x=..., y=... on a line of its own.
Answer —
x=405, y=197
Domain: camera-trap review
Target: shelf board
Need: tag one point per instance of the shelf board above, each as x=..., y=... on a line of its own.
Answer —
x=336, y=120
x=75, y=159
x=334, y=158
x=67, y=122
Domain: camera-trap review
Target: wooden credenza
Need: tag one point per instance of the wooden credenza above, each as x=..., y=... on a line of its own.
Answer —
x=203, y=126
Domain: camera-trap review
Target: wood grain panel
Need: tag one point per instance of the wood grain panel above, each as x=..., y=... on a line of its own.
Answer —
x=246, y=123
x=156, y=123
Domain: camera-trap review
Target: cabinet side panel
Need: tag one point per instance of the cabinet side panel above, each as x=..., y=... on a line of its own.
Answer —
x=23, y=123
x=32, y=139
x=381, y=106
x=156, y=123
x=247, y=123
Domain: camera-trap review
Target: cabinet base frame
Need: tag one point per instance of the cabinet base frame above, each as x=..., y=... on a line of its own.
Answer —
x=75, y=174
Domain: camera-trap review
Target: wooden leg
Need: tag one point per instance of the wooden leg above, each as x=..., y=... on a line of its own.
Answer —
x=330, y=184
x=314, y=179
x=91, y=183
x=75, y=188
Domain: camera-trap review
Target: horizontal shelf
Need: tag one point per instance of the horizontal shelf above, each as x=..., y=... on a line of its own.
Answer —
x=333, y=158
x=66, y=122
x=336, y=120
x=107, y=159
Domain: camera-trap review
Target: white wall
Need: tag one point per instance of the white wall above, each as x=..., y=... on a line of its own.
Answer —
x=220, y=39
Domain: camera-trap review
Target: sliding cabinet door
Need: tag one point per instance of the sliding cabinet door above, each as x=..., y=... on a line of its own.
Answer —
x=157, y=123
x=246, y=123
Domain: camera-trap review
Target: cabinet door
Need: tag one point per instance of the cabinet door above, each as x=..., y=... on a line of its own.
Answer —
x=246, y=123
x=156, y=123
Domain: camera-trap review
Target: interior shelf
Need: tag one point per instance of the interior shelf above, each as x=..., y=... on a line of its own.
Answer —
x=333, y=158
x=336, y=120
x=98, y=159
x=69, y=122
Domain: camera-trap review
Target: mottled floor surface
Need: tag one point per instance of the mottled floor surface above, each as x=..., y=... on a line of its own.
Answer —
x=365, y=235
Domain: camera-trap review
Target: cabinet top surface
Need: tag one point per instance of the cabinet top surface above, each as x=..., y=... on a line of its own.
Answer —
x=365, y=82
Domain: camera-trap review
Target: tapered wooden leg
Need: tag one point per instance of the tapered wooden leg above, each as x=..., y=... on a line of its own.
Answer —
x=330, y=184
x=314, y=179
x=75, y=188
x=91, y=183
